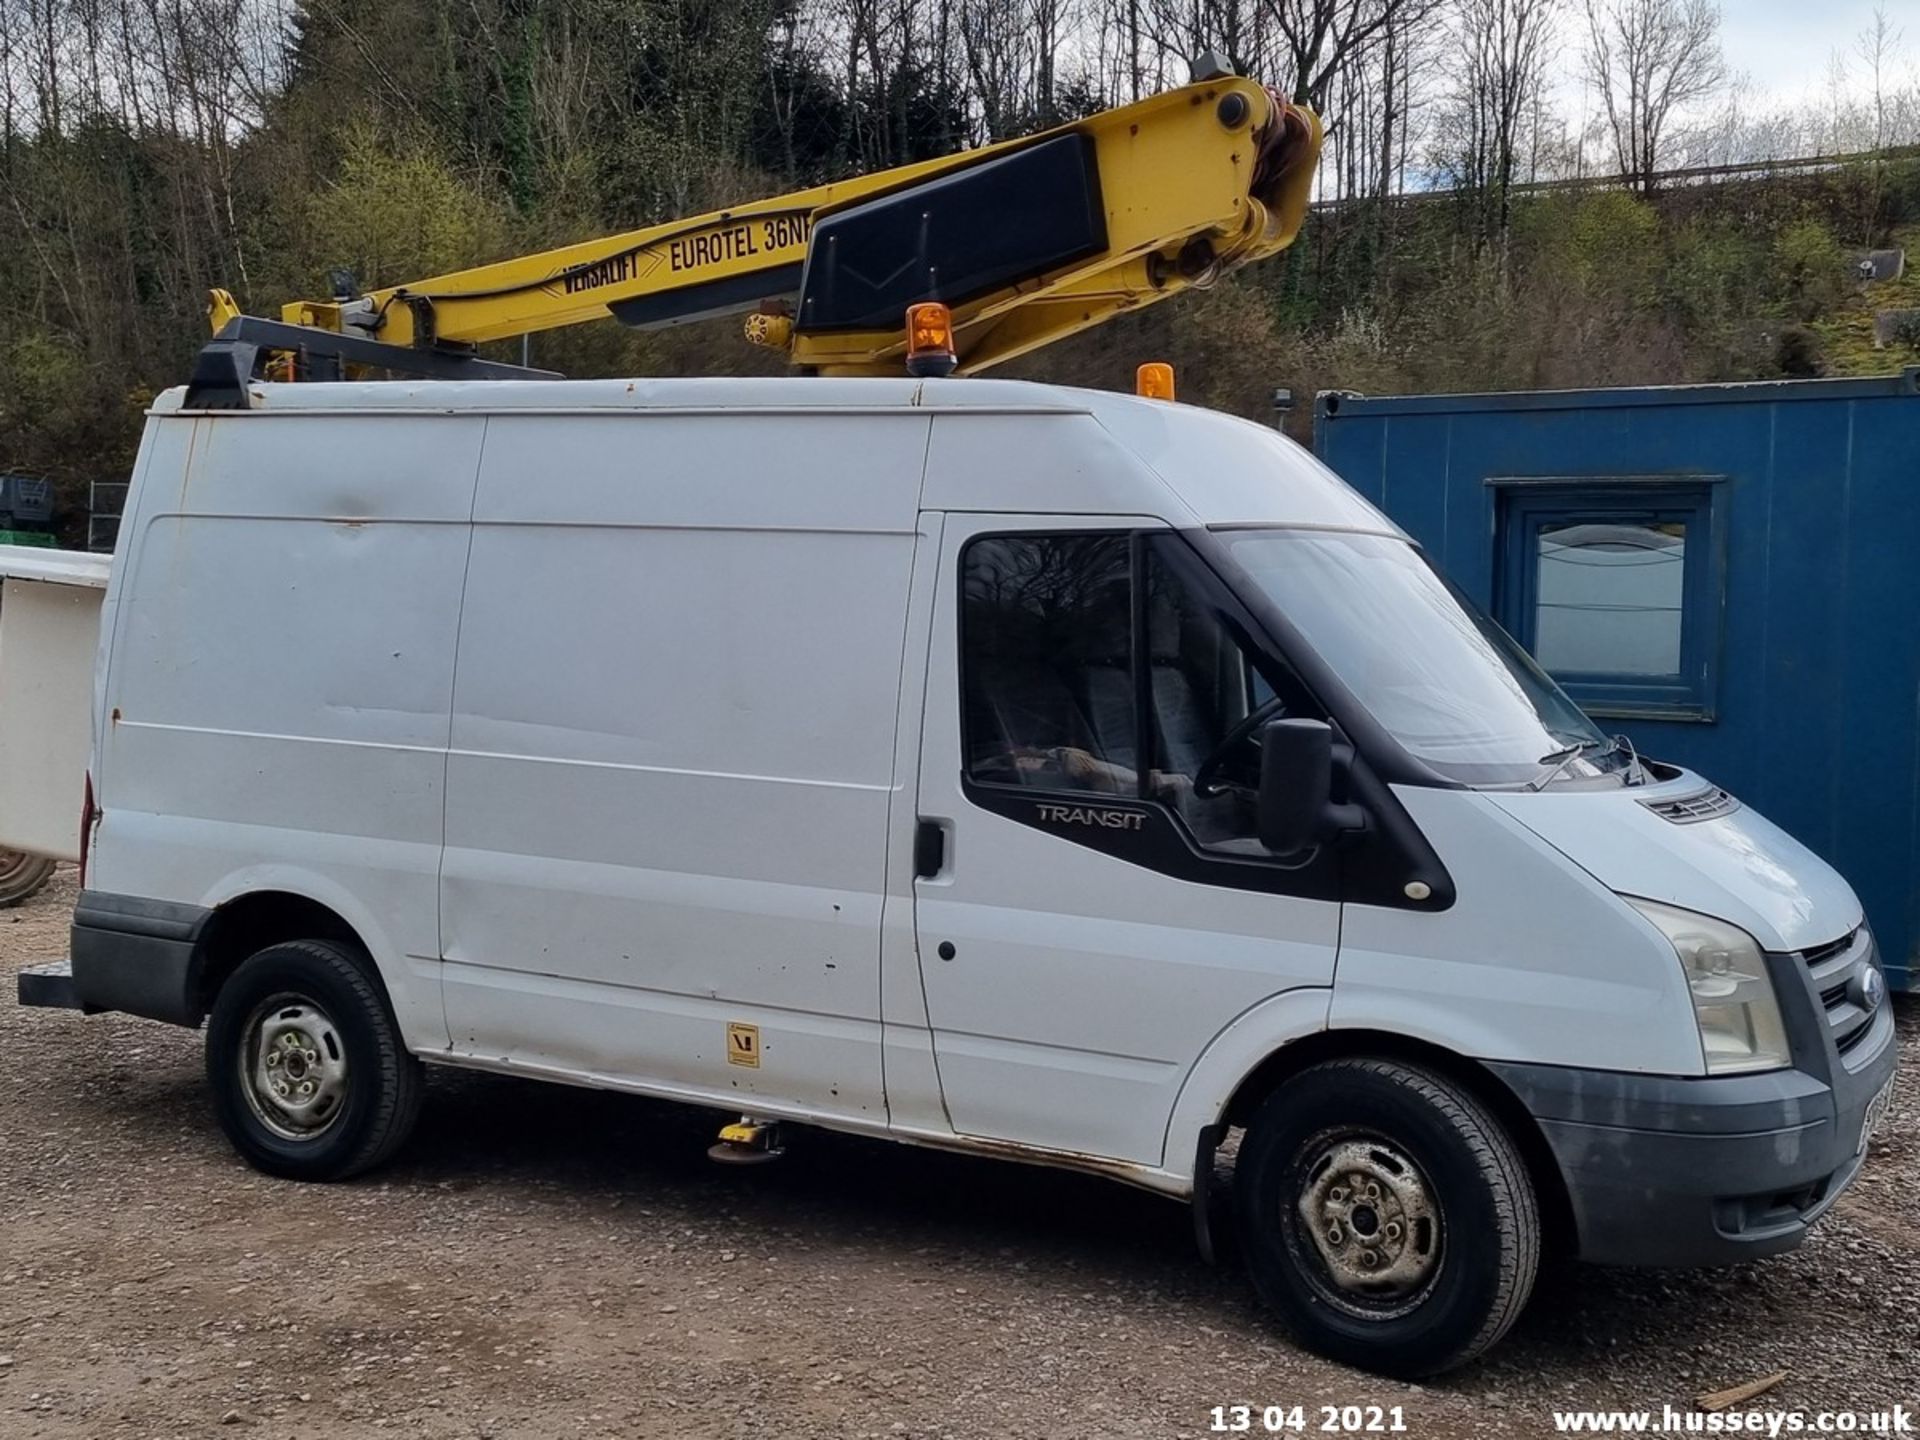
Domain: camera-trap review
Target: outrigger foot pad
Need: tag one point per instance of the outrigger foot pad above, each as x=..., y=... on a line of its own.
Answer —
x=747, y=1142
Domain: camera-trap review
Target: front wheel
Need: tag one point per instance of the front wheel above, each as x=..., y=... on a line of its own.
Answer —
x=309, y=1076
x=1386, y=1216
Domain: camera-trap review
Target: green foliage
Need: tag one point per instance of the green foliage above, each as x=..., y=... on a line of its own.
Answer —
x=1846, y=333
x=518, y=125
x=40, y=383
x=54, y=407
x=1715, y=264
x=1602, y=241
x=399, y=212
x=1810, y=270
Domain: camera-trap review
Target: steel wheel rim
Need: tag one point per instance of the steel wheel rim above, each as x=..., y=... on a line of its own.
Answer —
x=1365, y=1225
x=293, y=1067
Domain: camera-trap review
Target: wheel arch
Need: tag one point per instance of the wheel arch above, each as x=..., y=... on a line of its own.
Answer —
x=1292, y=1057
x=250, y=922
x=268, y=902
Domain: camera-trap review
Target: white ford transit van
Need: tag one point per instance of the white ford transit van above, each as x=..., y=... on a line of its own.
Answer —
x=1059, y=776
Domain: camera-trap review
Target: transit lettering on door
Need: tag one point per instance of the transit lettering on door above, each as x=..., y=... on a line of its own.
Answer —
x=1086, y=815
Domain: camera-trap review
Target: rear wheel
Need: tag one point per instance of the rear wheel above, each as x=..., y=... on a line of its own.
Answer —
x=21, y=876
x=309, y=1077
x=1386, y=1216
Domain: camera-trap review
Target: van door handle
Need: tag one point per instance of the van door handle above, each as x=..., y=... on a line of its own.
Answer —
x=929, y=849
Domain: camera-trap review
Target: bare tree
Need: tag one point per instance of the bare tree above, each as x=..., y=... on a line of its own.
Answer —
x=1878, y=46
x=1648, y=60
x=1501, y=53
x=1237, y=30
x=1318, y=37
x=1372, y=102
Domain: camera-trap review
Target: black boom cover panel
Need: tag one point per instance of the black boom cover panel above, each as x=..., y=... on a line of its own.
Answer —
x=955, y=238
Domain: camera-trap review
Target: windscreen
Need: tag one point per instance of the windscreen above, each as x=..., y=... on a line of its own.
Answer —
x=1451, y=686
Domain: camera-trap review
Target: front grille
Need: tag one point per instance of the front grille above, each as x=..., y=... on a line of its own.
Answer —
x=1692, y=809
x=1834, y=968
x=1820, y=954
x=1849, y=1042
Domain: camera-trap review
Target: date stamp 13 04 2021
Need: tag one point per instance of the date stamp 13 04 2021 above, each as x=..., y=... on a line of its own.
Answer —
x=1307, y=1419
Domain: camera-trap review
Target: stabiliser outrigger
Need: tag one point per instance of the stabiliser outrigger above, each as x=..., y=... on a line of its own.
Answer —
x=1025, y=241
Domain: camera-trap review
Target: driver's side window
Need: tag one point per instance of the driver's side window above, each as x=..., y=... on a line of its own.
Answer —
x=1073, y=644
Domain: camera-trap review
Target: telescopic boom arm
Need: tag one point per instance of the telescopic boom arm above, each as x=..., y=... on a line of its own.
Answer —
x=1026, y=241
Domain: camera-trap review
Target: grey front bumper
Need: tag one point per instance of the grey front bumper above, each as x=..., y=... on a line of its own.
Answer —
x=1709, y=1171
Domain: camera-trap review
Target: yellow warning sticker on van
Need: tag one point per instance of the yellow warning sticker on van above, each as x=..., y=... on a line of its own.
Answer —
x=743, y=1045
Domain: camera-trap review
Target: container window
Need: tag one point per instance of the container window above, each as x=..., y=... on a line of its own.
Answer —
x=1607, y=596
x=1616, y=591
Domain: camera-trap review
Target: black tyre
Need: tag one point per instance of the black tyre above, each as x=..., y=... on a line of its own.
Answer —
x=309, y=1077
x=21, y=876
x=1386, y=1216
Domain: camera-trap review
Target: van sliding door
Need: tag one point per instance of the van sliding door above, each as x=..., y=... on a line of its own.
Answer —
x=679, y=666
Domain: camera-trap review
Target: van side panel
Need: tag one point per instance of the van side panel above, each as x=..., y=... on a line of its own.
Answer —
x=673, y=746
x=279, y=688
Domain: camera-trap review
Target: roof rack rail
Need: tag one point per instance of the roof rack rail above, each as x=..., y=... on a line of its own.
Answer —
x=226, y=365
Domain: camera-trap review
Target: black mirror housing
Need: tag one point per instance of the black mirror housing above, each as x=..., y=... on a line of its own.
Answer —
x=1296, y=784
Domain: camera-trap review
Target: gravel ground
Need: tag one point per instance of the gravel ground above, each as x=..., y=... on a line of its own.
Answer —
x=544, y=1262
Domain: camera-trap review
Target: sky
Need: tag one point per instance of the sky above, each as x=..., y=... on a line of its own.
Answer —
x=1783, y=45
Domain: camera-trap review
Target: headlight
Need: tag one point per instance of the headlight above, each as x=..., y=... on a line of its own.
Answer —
x=1733, y=999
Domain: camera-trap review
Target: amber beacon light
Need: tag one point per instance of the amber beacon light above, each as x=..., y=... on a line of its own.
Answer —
x=930, y=349
x=1154, y=381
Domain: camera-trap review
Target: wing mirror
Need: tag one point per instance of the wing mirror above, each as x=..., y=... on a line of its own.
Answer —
x=1295, y=809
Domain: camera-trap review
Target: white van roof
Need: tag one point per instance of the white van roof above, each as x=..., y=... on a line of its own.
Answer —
x=1219, y=469
x=785, y=392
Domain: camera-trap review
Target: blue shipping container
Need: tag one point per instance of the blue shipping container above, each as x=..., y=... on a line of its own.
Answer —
x=1730, y=574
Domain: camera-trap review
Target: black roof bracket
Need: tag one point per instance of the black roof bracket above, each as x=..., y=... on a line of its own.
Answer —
x=226, y=365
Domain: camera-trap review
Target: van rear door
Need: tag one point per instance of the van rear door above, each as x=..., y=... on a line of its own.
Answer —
x=1093, y=921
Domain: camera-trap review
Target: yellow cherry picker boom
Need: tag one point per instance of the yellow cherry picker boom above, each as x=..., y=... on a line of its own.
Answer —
x=1024, y=242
